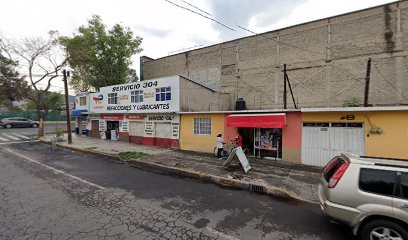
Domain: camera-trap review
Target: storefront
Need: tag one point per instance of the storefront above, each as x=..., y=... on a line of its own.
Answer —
x=262, y=132
x=273, y=134
x=140, y=112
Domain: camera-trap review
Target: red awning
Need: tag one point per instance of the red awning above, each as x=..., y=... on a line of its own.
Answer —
x=272, y=120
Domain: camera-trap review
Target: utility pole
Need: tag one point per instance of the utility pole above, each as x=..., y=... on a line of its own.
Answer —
x=367, y=83
x=284, y=87
x=65, y=73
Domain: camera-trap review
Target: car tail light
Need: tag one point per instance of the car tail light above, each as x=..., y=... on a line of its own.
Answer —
x=4, y=121
x=337, y=175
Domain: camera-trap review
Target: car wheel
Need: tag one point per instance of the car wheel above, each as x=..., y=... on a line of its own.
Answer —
x=383, y=229
x=34, y=125
x=8, y=125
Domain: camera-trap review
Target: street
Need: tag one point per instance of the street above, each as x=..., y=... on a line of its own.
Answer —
x=63, y=194
x=19, y=134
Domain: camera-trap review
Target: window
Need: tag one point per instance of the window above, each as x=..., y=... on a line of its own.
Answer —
x=112, y=98
x=163, y=94
x=378, y=181
x=404, y=185
x=202, y=126
x=137, y=96
x=82, y=101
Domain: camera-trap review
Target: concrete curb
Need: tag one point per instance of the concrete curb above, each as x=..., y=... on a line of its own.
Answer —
x=202, y=176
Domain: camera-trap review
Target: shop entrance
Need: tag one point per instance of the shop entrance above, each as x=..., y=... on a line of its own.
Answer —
x=261, y=133
x=111, y=125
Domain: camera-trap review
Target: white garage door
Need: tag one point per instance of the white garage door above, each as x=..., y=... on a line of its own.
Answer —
x=163, y=130
x=136, y=128
x=323, y=141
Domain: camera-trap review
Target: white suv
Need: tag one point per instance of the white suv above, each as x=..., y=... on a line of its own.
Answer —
x=369, y=194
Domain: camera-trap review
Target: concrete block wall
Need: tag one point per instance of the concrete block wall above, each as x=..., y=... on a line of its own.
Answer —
x=326, y=62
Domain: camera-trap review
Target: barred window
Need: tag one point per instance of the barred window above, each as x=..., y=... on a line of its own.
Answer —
x=202, y=126
x=112, y=98
x=137, y=96
x=163, y=94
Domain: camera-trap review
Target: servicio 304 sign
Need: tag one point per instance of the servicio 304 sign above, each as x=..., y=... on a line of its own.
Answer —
x=155, y=96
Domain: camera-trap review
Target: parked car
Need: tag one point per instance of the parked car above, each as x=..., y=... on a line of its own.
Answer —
x=369, y=194
x=18, y=122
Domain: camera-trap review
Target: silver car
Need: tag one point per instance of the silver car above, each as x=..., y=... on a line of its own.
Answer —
x=369, y=194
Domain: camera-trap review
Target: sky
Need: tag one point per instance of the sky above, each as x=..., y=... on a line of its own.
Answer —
x=165, y=28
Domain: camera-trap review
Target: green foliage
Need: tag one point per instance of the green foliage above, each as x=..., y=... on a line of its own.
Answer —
x=354, y=102
x=55, y=102
x=12, y=86
x=100, y=56
x=132, y=155
x=59, y=132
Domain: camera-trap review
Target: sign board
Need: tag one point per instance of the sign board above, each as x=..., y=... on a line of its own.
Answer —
x=103, y=135
x=124, y=126
x=153, y=96
x=241, y=157
x=114, y=136
x=135, y=117
x=113, y=117
x=102, y=125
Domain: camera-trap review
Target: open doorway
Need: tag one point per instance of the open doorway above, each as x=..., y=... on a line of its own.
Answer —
x=111, y=125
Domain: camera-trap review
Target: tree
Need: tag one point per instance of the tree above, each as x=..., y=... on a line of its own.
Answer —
x=55, y=102
x=13, y=87
x=100, y=56
x=42, y=59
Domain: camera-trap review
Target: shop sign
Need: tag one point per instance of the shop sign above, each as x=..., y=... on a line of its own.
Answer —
x=114, y=135
x=116, y=117
x=241, y=157
x=124, y=126
x=102, y=125
x=175, y=130
x=149, y=129
x=103, y=135
x=135, y=117
x=159, y=96
x=161, y=118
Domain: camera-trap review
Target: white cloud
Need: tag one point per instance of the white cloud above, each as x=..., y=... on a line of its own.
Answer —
x=164, y=27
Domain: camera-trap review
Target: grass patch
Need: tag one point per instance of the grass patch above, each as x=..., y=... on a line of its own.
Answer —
x=90, y=148
x=132, y=155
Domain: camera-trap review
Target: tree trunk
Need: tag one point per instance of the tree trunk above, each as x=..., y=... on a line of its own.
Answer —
x=42, y=115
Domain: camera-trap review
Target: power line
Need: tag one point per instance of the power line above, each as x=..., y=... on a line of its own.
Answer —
x=191, y=5
x=212, y=19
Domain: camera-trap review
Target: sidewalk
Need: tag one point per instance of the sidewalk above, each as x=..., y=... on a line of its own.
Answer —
x=286, y=180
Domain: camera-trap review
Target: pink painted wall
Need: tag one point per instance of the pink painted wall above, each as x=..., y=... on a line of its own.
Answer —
x=292, y=134
x=229, y=132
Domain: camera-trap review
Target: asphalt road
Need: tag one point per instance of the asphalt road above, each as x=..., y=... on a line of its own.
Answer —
x=49, y=127
x=62, y=194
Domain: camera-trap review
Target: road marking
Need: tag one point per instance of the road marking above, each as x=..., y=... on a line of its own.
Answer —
x=18, y=135
x=52, y=168
x=221, y=234
x=8, y=143
x=10, y=136
x=4, y=139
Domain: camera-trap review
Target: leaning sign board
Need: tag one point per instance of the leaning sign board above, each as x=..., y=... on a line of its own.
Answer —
x=241, y=157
